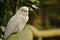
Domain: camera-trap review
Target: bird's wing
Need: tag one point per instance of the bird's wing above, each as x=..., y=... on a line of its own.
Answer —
x=11, y=26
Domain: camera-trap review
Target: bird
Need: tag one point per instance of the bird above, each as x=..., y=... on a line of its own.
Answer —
x=17, y=22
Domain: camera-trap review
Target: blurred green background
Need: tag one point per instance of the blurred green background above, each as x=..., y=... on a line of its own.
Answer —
x=43, y=14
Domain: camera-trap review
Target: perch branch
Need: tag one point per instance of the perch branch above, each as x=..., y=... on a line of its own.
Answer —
x=45, y=33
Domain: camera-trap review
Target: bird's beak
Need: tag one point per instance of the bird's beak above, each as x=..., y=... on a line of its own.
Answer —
x=25, y=12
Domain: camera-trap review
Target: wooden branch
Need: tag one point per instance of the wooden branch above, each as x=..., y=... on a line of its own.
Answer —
x=45, y=33
x=17, y=5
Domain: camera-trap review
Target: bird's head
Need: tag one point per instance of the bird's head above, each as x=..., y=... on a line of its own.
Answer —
x=23, y=11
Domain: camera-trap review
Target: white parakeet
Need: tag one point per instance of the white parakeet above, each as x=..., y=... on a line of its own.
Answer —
x=17, y=22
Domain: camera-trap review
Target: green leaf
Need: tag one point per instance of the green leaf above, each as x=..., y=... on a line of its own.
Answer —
x=8, y=14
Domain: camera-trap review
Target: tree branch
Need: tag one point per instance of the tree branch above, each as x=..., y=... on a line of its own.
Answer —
x=45, y=33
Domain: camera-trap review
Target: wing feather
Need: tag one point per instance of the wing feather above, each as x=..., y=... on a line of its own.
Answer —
x=12, y=24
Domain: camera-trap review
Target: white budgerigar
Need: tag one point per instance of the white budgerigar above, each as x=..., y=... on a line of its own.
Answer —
x=17, y=22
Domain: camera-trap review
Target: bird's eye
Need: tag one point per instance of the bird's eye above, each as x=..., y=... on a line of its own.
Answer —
x=22, y=10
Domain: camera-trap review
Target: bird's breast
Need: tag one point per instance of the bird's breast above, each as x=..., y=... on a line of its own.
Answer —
x=24, y=19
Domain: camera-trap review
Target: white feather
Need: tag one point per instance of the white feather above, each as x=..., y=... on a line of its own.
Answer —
x=16, y=23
